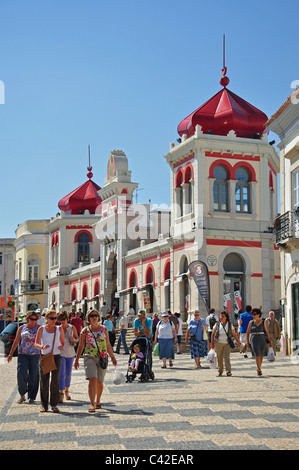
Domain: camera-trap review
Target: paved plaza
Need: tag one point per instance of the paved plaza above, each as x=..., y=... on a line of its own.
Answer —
x=182, y=409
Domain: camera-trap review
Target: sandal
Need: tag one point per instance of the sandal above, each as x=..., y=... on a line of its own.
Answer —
x=98, y=406
x=91, y=410
x=22, y=399
x=170, y=363
x=43, y=410
x=229, y=374
x=163, y=367
x=55, y=409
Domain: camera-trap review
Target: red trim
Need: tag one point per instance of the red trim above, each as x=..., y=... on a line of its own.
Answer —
x=233, y=157
x=76, y=227
x=179, y=178
x=80, y=233
x=184, y=160
x=96, y=284
x=133, y=263
x=257, y=275
x=226, y=165
x=149, y=258
x=54, y=285
x=247, y=166
x=74, y=293
x=166, y=271
x=181, y=246
x=131, y=278
x=147, y=272
x=248, y=244
x=84, y=290
x=189, y=173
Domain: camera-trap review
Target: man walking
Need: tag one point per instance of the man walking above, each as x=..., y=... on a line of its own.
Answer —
x=104, y=311
x=273, y=328
x=244, y=320
x=123, y=327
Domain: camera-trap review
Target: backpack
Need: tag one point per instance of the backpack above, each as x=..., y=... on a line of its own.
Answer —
x=212, y=322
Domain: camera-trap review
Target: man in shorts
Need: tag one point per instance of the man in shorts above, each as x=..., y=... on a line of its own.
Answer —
x=244, y=320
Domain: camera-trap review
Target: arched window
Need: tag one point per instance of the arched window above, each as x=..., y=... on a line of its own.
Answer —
x=189, y=191
x=242, y=190
x=179, y=190
x=84, y=291
x=83, y=248
x=96, y=288
x=74, y=294
x=220, y=188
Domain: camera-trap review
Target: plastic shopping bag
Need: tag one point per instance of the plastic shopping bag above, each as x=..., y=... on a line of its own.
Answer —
x=271, y=355
x=212, y=358
x=118, y=377
x=156, y=349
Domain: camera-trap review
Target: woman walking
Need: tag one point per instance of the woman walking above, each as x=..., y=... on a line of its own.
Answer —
x=222, y=334
x=67, y=355
x=257, y=335
x=95, y=338
x=50, y=340
x=166, y=337
x=198, y=346
x=28, y=358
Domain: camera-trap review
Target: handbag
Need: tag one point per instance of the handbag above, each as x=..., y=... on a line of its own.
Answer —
x=47, y=361
x=102, y=360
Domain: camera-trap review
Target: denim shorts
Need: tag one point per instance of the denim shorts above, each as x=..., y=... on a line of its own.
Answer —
x=93, y=370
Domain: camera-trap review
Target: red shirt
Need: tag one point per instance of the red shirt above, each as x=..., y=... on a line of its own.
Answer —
x=78, y=323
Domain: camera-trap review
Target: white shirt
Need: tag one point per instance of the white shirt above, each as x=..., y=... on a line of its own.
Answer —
x=165, y=330
x=47, y=338
x=123, y=321
x=180, y=330
x=222, y=333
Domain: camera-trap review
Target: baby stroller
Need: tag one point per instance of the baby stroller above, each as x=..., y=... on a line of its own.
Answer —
x=145, y=365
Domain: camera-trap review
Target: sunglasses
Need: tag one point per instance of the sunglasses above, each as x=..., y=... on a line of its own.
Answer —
x=33, y=319
x=93, y=316
x=52, y=318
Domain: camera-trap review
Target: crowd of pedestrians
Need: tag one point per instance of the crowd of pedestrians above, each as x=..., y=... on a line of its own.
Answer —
x=49, y=346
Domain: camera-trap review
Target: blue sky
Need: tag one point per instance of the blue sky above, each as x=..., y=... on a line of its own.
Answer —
x=122, y=74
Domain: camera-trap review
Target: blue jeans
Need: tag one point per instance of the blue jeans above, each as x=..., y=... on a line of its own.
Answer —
x=122, y=339
x=65, y=372
x=28, y=375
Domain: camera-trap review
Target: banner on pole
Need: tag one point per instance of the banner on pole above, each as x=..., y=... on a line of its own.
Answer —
x=200, y=274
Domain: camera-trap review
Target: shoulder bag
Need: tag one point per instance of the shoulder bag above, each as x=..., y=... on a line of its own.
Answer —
x=103, y=360
x=47, y=361
x=229, y=338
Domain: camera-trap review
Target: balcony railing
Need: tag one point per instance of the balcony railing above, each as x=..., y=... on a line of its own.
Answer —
x=287, y=226
x=32, y=286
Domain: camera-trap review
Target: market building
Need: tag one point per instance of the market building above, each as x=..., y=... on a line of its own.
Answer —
x=223, y=186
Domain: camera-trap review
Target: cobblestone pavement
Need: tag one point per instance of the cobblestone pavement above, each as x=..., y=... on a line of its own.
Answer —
x=181, y=409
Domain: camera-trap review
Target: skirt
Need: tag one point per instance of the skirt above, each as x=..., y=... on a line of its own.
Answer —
x=198, y=348
x=258, y=345
x=166, y=348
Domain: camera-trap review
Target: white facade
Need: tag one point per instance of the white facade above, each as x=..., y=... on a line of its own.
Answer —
x=285, y=123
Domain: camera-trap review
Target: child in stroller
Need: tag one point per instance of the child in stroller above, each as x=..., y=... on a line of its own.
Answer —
x=140, y=360
x=136, y=357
